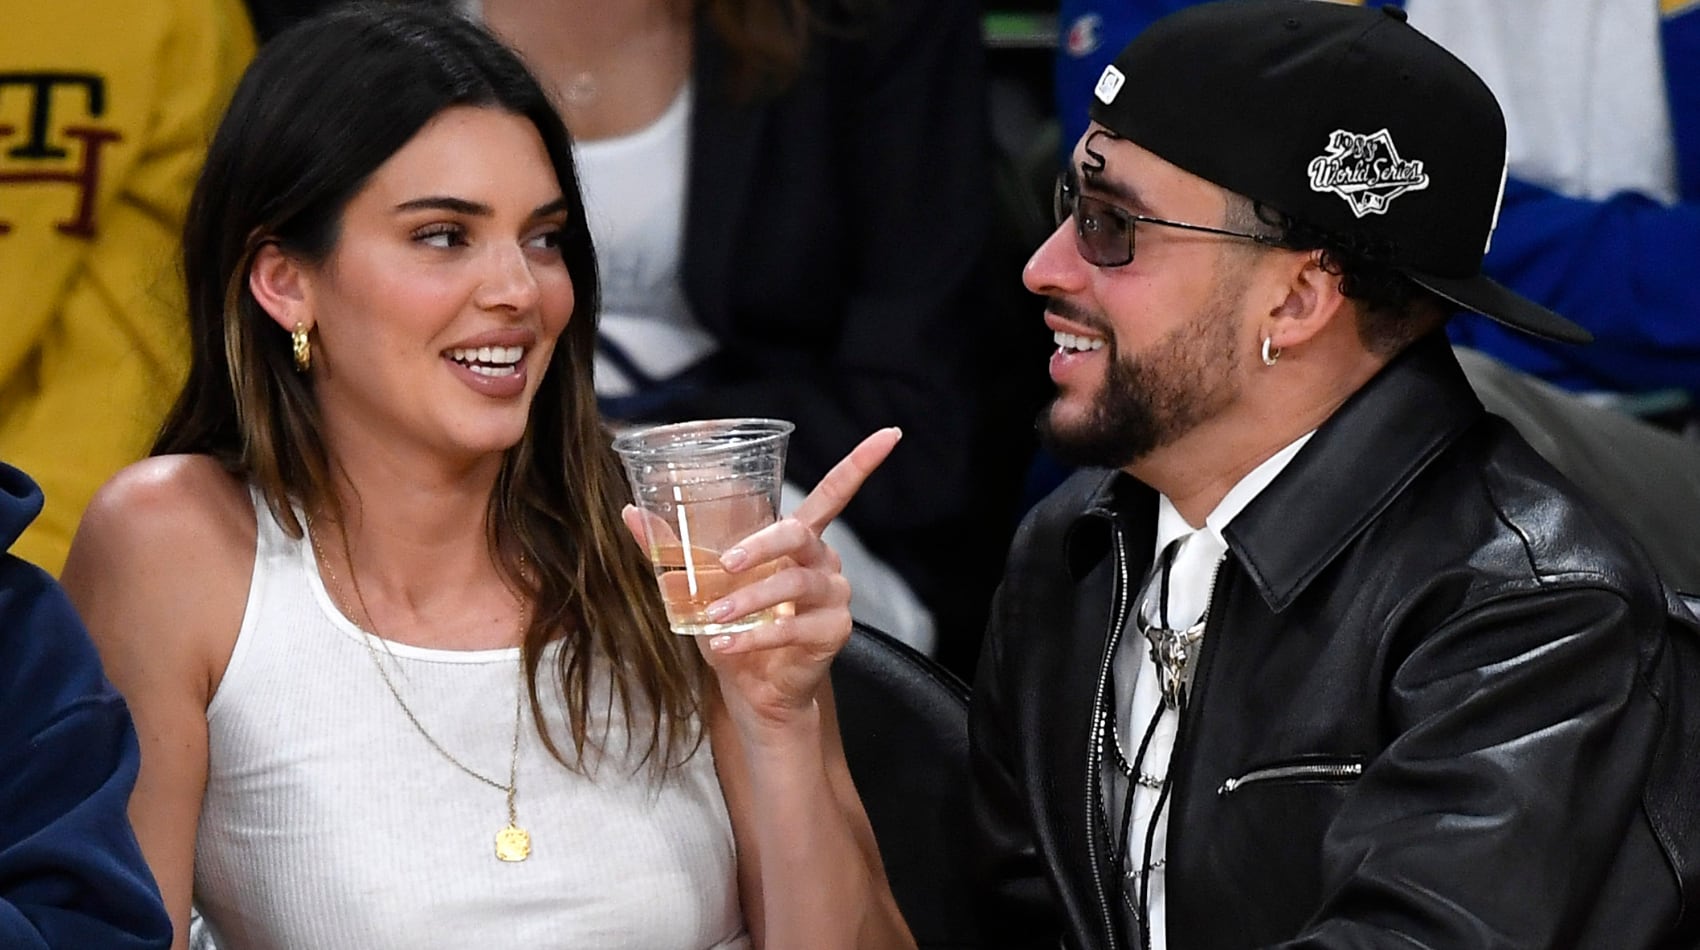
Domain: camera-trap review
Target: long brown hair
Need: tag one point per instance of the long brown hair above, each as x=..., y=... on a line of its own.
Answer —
x=320, y=109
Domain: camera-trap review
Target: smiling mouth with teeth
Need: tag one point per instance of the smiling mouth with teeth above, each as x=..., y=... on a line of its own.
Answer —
x=1068, y=342
x=489, y=360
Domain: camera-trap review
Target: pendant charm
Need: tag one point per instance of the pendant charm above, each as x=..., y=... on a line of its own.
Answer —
x=513, y=843
x=1174, y=654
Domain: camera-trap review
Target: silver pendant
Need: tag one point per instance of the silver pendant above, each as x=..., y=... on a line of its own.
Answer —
x=1174, y=654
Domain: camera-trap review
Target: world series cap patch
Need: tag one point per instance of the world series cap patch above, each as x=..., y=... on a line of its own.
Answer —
x=1366, y=170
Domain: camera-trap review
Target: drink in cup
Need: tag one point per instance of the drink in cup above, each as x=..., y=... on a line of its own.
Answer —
x=701, y=488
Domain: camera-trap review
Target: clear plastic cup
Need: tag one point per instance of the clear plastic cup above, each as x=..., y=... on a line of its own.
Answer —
x=702, y=487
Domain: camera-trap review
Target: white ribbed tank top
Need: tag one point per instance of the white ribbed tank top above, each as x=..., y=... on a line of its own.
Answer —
x=329, y=822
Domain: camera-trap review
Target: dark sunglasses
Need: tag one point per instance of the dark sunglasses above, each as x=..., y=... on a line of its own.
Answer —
x=1103, y=233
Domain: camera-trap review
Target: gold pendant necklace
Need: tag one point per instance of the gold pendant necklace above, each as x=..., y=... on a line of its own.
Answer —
x=513, y=843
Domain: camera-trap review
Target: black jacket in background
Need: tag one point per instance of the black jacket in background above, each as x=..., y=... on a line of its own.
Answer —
x=831, y=241
x=1417, y=596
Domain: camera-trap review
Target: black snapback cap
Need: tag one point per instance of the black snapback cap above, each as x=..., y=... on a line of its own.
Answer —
x=1341, y=116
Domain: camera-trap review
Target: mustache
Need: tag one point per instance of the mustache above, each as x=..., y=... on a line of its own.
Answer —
x=1072, y=311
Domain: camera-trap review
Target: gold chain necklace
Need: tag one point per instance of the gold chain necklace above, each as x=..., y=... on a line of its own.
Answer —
x=513, y=843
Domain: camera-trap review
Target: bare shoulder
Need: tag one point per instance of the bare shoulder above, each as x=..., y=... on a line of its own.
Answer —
x=162, y=562
x=184, y=506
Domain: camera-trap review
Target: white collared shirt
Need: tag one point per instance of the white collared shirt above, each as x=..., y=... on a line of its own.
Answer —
x=1137, y=690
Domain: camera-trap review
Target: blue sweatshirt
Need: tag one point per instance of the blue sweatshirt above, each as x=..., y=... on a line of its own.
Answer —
x=72, y=876
x=1627, y=268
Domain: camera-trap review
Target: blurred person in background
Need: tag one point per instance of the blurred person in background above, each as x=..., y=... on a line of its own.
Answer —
x=105, y=111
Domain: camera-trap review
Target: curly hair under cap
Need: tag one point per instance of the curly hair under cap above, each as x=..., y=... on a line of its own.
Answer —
x=1393, y=312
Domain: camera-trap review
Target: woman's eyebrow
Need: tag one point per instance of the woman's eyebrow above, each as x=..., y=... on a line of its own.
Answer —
x=474, y=208
x=551, y=208
x=446, y=203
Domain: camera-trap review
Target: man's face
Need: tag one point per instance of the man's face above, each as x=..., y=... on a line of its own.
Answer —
x=1150, y=350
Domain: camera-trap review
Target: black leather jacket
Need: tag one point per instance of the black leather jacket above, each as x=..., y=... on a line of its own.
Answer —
x=1437, y=705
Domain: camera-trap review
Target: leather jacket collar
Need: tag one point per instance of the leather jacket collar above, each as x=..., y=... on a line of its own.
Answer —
x=1360, y=458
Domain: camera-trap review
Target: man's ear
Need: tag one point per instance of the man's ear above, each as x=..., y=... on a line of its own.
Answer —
x=281, y=286
x=1312, y=303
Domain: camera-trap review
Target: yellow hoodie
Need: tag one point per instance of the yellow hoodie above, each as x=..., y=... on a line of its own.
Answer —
x=106, y=107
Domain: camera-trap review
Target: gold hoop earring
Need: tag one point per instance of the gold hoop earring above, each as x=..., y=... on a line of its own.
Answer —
x=304, y=349
x=1270, y=353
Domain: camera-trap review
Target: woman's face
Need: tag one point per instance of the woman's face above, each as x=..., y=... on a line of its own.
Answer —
x=439, y=307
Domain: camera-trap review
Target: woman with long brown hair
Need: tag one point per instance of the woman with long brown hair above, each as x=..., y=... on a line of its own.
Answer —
x=400, y=674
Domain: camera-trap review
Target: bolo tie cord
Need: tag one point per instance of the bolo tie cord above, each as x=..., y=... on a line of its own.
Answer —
x=1150, y=840
x=1143, y=911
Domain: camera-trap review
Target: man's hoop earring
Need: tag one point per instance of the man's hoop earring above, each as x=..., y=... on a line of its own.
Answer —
x=304, y=349
x=1270, y=353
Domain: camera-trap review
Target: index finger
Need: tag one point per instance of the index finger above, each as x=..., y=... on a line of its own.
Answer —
x=649, y=529
x=840, y=485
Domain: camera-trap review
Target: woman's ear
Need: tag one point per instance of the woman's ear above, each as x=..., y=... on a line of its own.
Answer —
x=280, y=285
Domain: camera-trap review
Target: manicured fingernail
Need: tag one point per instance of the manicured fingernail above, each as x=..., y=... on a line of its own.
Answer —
x=720, y=643
x=719, y=610
x=734, y=558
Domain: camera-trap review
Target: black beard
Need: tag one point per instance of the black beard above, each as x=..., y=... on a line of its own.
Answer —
x=1150, y=400
x=1122, y=427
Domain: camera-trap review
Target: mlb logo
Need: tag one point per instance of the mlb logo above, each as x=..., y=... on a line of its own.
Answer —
x=1083, y=35
x=1109, y=84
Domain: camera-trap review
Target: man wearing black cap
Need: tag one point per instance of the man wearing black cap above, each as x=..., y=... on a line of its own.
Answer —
x=1388, y=680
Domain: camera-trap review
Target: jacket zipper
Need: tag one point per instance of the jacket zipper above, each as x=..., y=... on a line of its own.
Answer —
x=1320, y=770
x=1095, y=749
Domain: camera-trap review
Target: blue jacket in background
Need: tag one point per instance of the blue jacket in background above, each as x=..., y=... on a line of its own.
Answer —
x=72, y=876
x=1627, y=268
